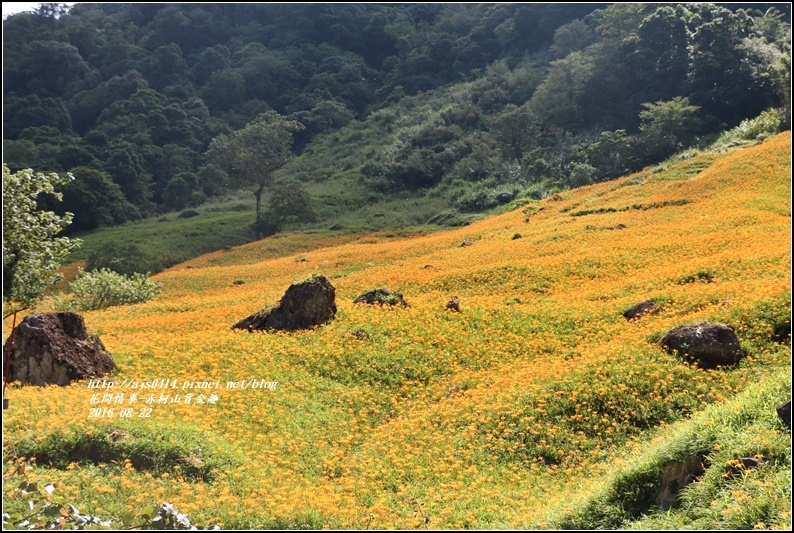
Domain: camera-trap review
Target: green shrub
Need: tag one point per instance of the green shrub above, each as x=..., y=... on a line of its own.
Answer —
x=476, y=199
x=752, y=129
x=265, y=226
x=761, y=127
x=189, y=213
x=99, y=289
x=701, y=275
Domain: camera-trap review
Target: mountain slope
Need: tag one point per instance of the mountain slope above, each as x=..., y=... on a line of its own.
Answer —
x=494, y=417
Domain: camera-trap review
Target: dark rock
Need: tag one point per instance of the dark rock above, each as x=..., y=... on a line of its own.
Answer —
x=516, y=236
x=709, y=344
x=453, y=304
x=783, y=333
x=55, y=349
x=304, y=305
x=620, y=226
x=642, y=308
x=743, y=464
x=675, y=476
x=382, y=296
x=784, y=412
x=336, y=227
x=359, y=334
x=466, y=243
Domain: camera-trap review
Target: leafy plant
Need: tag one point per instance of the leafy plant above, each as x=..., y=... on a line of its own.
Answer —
x=31, y=254
x=99, y=289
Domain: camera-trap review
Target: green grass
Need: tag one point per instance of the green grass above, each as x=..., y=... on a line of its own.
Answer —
x=152, y=447
x=174, y=240
x=744, y=426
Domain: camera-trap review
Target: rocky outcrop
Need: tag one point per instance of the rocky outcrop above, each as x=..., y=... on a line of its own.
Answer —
x=304, y=305
x=642, y=308
x=675, y=476
x=709, y=344
x=55, y=349
x=382, y=296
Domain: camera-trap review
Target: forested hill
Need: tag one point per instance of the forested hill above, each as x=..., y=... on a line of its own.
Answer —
x=471, y=104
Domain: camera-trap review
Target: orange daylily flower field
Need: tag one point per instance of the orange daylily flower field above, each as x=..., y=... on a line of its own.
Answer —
x=492, y=417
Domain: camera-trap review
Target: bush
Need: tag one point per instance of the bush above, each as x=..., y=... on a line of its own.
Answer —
x=99, y=289
x=760, y=127
x=265, y=226
x=481, y=198
x=290, y=204
x=189, y=213
x=752, y=129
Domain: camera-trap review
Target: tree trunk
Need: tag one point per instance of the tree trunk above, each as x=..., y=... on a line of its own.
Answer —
x=258, y=196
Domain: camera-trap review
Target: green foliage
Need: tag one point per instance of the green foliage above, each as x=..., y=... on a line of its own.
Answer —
x=98, y=200
x=745, y=426
x=411, y=97
x=703, y=275
x=31, y=253
x=290, y=203
x=252, y=153
x=99, y=289
x=264, y=226
x=514, y=128
x=476, y=199
x=750, y=130
x=153, y=244
x=668, y=127
x=150, y=447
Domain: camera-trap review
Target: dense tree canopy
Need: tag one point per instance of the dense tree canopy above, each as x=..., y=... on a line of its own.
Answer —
x=137, y=92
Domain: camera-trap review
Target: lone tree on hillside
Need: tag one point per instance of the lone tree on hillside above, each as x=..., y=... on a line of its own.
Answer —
x=31, y=254
x=251, y=154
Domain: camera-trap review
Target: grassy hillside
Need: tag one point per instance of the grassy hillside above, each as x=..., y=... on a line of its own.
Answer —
x=536, y=406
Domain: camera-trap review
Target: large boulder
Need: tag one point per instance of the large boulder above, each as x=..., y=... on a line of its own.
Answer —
x=709, y=344
x=382, y=296
x=55, y=349
x=304, y=305
x=642, y=308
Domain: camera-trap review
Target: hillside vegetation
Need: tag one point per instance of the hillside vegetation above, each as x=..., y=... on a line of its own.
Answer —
x=537, y=405
x=440, y=110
